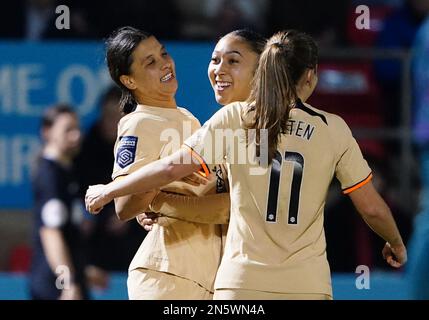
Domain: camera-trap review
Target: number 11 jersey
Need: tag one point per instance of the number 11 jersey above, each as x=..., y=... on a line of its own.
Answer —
x=276, y=240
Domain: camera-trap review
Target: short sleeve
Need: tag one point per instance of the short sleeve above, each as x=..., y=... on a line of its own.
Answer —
x=351, y=170
x=209, y=144
x=54, y=213
x=135, y=146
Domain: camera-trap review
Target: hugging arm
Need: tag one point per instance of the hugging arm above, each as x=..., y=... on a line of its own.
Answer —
x=149, y=177
x=128, y=207
x=211, y=209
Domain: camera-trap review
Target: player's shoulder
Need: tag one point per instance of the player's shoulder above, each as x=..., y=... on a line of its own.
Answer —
x=233, y=110
x=137, y=119
x=136, y=116
x=333, y=121
x=232, y=114
x=187, y=114
x=236, y=107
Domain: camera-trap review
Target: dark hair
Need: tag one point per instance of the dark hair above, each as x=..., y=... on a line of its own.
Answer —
x=119, y=49
x=287, y=55
x=254, y=40
x=50, y=115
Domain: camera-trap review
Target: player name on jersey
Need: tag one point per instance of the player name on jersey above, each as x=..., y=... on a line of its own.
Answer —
x=300, y=129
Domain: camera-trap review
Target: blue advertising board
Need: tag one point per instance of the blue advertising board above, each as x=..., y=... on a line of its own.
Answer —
x=34, y=76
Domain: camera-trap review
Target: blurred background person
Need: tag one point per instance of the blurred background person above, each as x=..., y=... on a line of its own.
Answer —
x=57, y=268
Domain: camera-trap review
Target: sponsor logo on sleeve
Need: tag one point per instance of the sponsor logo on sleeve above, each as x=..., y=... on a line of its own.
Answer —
x=126, y=153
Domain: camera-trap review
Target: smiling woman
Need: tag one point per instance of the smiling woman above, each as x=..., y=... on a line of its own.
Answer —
x=178, y=259
x=151, y=62
x=142, y=68
x=233, y=62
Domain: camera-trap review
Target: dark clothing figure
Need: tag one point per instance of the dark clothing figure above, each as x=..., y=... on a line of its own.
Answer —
x=56, y=205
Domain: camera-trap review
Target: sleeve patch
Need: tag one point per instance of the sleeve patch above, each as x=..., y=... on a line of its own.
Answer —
x=126, y=153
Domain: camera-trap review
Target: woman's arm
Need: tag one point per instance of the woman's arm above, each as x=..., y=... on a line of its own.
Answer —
x=149, y=177
x=128, y=207
x=210, y=209
x=378, y=216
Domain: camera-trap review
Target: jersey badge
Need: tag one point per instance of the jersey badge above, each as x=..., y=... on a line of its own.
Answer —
x=126, y=153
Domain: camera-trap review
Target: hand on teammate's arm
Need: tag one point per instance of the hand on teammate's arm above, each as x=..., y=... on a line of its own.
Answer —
x=195, y=179
x=148, y=219
x=210, y=209
x=128, y=207
x=378, y=216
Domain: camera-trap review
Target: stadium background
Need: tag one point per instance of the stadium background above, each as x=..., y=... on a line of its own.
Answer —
x=39, y=70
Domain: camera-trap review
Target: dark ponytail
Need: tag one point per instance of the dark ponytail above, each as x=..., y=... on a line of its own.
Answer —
x=119, y=49
x=287, y=55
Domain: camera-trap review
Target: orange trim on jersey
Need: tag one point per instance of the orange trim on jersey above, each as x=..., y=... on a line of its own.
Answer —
x=205, y=172
x=358, y=185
